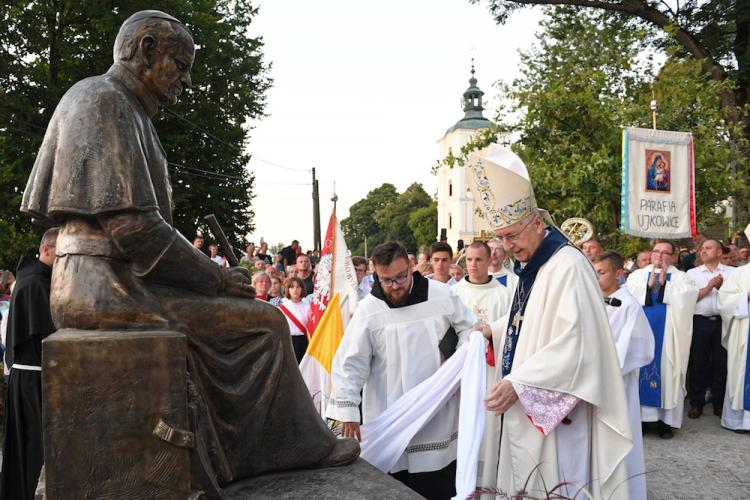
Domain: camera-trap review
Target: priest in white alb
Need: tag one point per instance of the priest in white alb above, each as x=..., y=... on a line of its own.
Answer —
x=483, y=295
x=733, y=305
x=634, y=342
x=399, y=336
x=668, y=298
x=558, y=385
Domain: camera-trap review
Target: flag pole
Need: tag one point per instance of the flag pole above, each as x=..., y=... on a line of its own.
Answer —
x=334, y=199
x=653, y=107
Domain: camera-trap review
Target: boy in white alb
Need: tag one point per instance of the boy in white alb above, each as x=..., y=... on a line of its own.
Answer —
x=634, y=342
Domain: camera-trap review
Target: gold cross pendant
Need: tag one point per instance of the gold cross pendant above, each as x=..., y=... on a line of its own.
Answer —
x=517, y=318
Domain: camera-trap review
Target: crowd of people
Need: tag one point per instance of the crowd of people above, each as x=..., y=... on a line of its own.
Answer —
x=663, y=296
x=673, y=293
x=570, y=381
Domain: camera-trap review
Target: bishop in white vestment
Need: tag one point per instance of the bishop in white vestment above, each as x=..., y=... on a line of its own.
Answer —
x=558, y=384
x=634, y=342
x=399, y=336
x=733, y=305
x=668, y=298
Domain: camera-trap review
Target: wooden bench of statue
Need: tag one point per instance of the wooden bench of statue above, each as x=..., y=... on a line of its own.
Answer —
x=122, y=268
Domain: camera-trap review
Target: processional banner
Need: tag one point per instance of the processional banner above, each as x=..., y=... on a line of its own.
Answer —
x=658, y=184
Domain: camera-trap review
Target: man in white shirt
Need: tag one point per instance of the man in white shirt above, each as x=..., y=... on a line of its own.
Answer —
x=394, y=341
x=708, y=358
x=213, y=250
x=441, y=258
x=364, y=280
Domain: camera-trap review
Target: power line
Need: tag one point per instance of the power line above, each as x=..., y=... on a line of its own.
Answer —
x=207, y=172
x=234, y=146
x=206, y=132
x=195, y=126
x=253, y=157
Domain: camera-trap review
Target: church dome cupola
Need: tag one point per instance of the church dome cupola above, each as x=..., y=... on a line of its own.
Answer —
x=472, y=106
x=473, y=98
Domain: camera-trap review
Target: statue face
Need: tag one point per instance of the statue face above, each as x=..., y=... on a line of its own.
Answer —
x=169, y=70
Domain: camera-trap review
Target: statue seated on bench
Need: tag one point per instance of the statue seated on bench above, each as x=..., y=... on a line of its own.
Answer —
x=101, y=175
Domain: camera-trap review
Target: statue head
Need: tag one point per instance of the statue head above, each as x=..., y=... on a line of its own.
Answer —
x=159, y=50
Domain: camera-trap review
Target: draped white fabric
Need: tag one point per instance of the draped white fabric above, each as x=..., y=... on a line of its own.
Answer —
x=385, y=438
x=471, y=416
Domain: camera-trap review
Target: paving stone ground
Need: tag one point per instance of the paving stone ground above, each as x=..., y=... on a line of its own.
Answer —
x=702, y=461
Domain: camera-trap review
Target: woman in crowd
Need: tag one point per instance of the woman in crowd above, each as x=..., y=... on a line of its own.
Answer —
x=262, y=285
x=296, y=309
x=276, y=293
x=263, y=253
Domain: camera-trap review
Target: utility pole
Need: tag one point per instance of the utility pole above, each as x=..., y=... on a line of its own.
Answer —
x=316, y=213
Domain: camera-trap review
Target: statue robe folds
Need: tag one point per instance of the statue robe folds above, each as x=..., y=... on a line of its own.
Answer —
x=564, y=352
x=101, y=174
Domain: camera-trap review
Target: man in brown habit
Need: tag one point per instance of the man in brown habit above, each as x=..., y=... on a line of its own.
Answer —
x=101, y=175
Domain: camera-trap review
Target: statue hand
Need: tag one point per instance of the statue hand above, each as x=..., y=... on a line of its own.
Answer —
x=237, y=282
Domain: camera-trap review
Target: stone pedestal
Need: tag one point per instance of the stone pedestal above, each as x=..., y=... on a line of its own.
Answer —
x=358, y=481
x=114, y=407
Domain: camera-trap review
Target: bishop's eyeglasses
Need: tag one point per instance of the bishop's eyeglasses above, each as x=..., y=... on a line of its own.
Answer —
x=512, y=238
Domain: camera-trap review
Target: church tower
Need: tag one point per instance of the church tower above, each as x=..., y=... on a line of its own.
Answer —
x=456, y=208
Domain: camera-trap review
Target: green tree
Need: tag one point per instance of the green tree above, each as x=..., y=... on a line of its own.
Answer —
x=581, y=83
x=423, y=224
x=361, y=222
x=394, y=217
x=716, y=33
x=574, y=94
x=713, y=33
x=48, y=46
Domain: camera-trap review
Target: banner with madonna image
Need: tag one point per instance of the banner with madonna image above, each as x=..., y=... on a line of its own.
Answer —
x=658, y=184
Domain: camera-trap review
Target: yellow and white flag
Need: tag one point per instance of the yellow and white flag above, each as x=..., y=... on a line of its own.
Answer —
x=335, y=295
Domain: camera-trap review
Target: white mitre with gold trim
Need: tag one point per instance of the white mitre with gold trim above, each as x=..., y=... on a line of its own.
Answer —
x=501, y=186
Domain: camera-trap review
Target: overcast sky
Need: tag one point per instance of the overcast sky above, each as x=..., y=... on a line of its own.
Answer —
x=362, y=91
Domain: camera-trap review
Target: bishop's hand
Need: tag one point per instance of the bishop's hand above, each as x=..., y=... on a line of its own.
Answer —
x=501, y=397
x=237, y=282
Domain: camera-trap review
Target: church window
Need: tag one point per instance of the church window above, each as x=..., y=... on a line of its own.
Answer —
x=450, y=189
x=450, y=221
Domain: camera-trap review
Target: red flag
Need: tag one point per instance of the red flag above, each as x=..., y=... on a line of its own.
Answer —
x=322, y=290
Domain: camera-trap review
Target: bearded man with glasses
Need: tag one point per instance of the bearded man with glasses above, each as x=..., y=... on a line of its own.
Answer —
x=668, y=297
x=396, y=339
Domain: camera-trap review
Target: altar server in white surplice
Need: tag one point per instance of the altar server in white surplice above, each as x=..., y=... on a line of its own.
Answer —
x=634, y=342
x=733, y=305
x=668, y=298
x=399, y=336
x=489, y=299
x=558, y=384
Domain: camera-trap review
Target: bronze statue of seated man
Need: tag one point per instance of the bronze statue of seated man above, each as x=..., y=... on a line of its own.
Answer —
x=101, y=175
